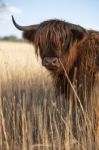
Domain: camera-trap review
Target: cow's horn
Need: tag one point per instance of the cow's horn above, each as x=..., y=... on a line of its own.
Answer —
x=24, y=28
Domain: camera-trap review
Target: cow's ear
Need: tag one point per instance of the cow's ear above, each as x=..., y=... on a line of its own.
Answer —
x=78, y=33
x=29, y=35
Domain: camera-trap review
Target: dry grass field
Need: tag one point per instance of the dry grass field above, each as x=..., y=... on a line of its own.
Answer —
x=30, y=116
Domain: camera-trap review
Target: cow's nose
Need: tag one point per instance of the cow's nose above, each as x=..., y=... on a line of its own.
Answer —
x=50, y=61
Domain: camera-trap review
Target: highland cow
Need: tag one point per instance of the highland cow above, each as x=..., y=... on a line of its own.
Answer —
x=67, y=47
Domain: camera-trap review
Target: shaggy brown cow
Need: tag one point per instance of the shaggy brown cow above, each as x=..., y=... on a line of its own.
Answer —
x=63, y=47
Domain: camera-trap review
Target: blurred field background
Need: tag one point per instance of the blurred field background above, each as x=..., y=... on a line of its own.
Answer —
x=30, y=116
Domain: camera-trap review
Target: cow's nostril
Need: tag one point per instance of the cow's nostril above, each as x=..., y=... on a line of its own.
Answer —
x=50, y=61
x=46, y=61
x=55, y=61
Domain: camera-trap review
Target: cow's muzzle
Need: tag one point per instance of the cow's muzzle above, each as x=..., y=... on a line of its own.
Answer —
x=50, y=62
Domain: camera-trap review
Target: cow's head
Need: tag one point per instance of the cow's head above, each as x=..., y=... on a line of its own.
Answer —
x=54, y=40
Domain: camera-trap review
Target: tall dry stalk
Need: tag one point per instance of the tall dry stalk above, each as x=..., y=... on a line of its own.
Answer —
x=30, y=116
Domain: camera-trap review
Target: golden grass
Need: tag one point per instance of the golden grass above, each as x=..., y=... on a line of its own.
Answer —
x=30, y=116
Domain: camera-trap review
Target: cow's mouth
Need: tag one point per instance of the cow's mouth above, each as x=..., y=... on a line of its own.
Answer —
x=52, y=68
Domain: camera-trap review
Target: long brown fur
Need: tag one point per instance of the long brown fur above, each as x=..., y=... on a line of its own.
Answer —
x=75, y=46
x=78, y=50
